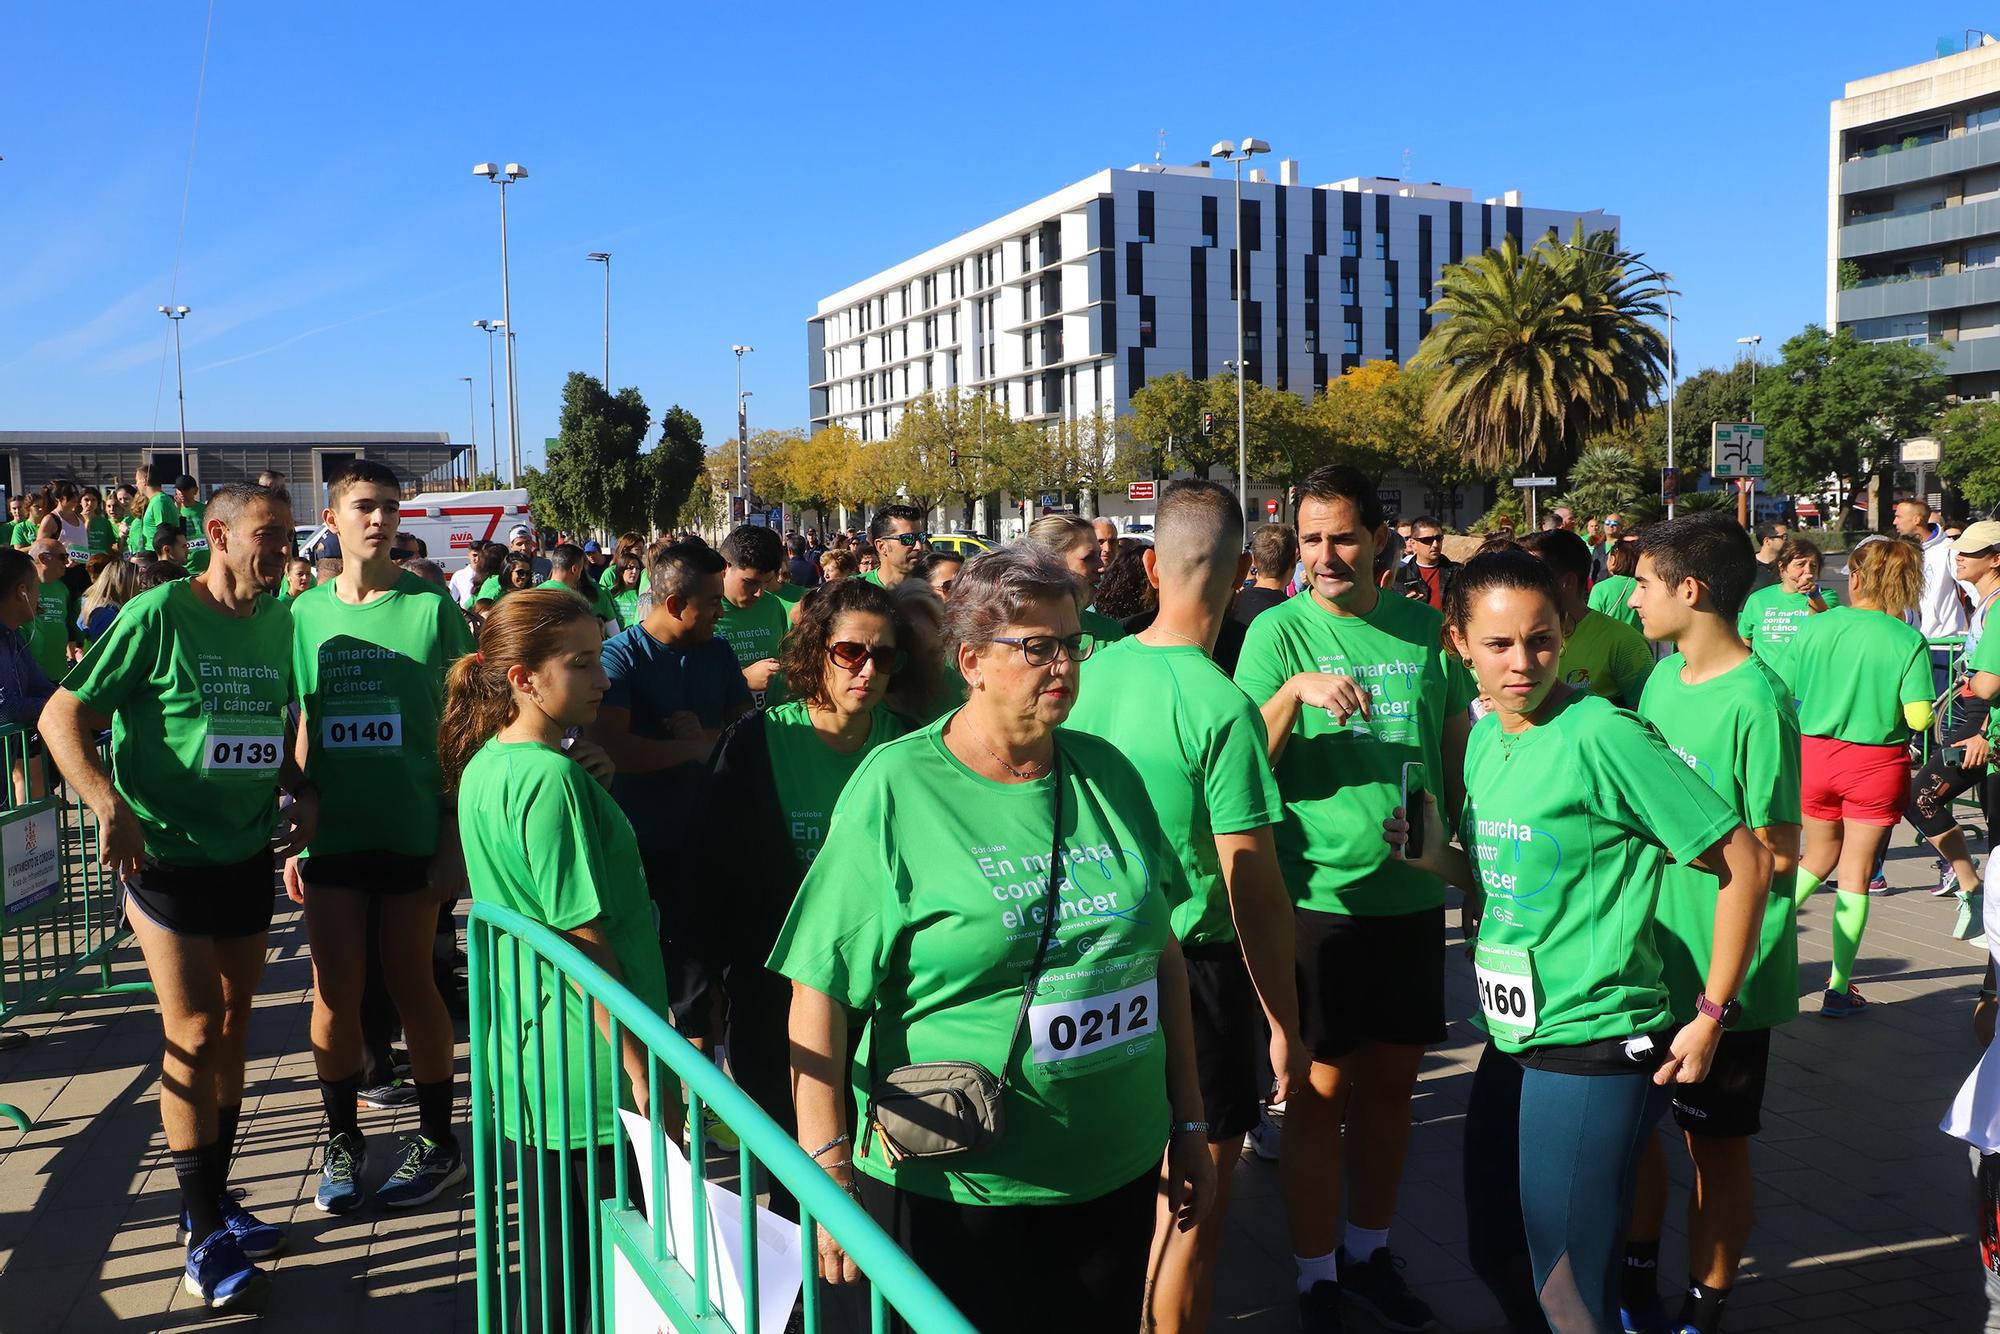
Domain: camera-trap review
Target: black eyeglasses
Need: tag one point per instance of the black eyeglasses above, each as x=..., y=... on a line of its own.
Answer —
x=911, y=539
x=1041, y=650
x=1427, y=541
x=849, y=655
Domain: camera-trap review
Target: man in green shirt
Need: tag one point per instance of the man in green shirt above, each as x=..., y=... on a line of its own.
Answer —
x=897, y=535
x=153, y=506
x=753, y=621
x=1198, y=744
x=53, y=639
x=1600, y=655
x=187, y=499
x=1725, y=712
x=370, y=651
x=568, y=569
x=193, y=678
x=1356, y=693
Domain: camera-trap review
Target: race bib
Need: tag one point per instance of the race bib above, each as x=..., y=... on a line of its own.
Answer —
x=1070, y=1030
x=1506, y=979
x=242, y=747
x=362, y=731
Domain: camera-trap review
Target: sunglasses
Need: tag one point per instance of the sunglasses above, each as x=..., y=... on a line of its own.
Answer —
x=911, y=539
x=848, y=656
x=1041, y=650
x=1430, y=541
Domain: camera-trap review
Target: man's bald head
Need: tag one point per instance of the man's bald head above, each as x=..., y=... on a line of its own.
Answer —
x=1197, y=536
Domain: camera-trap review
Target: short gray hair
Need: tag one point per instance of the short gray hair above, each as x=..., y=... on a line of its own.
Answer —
x=995, y=587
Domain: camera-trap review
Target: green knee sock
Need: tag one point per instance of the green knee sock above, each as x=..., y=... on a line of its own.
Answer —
x=1807, y=883
x=1850, y=919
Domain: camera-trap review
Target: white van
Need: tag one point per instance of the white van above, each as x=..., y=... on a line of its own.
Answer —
x=449, y=522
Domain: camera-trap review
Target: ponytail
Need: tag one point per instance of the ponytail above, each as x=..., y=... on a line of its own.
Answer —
x=525, y=628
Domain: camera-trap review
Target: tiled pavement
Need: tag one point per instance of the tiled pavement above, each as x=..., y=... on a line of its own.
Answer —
x=1863, y=1222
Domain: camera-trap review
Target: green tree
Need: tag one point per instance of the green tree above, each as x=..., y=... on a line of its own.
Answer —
x=1167, y=418
x=594, y=476
x=1838, y=407
x=1542, y=350
x=674, y=469
x=1604, y=480
x=1970, y=437
x=1712, y=394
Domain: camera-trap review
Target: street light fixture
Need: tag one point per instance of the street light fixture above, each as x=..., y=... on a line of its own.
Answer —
x=1666, y=282
x=177, y=314
x=504, y=177
x=604, y=257
x=742, y=435
x=471, y=425
x=1230, y=152
x=1754, y=341
x=492, y=420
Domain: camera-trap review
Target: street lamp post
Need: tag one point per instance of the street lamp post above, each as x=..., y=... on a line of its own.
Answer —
x=504, y=177
x=177, y=314
x=1666, y=282
x=1229, y=152
x=742, y=435
x=1753, y=341
x=492, y=419
x=472, y=426
x=604, y=257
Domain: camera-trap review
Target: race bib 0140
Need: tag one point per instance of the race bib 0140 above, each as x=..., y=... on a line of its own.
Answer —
x=1068, y=1031
x=365, y=731
x=1506, y=978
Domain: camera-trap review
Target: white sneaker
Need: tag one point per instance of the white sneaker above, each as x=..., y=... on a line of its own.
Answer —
x=1266, y=1138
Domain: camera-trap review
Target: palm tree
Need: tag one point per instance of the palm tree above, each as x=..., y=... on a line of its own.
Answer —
x=1542, y=349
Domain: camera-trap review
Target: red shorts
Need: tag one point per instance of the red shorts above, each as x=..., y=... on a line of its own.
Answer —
x=1845, y=780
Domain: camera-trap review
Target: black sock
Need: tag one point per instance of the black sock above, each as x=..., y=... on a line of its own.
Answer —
x=201, y=1192
x=1702, y=1307
x=340, y=1098
x=1640, y=1281
x=434, y=1111
x=227, y=1116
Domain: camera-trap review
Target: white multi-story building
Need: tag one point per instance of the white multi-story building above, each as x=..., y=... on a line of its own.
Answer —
x=1065, y=306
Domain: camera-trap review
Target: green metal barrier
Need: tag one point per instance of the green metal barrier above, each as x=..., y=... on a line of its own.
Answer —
x=49, y=939
x=553, y=1223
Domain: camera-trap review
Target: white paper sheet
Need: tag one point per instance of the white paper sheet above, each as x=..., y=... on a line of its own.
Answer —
x=1975, y=1113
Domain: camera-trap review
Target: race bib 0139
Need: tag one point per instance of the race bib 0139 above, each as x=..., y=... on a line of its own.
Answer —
x=242, y=747
x=1506, y=978
x=1071, y=1030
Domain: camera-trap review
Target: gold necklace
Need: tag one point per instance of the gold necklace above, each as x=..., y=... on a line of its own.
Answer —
x=1024, y=777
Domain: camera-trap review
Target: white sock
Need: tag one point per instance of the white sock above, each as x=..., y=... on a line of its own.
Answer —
x=1316, y=1268
x=1362, y=1242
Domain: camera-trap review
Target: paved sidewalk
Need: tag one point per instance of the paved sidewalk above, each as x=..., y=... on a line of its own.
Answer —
x=1863, y=1222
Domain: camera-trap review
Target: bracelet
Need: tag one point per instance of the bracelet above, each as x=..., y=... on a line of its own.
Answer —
x=834, y=1167
x=1190, y=1127
x=833, y=1143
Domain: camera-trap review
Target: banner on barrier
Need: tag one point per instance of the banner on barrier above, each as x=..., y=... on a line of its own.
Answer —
x=30, y=856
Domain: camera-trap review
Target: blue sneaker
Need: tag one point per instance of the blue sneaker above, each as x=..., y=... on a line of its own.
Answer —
x=257, y=1239
x=1650, y=1319
x=220, y=1277
x=340, y=1175
x=1840, y=1004
x=428, y=1169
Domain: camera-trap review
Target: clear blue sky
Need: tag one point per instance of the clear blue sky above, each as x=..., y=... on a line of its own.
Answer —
x=740, y=161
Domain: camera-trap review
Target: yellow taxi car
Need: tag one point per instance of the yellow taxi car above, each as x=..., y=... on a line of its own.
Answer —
x=963, y=544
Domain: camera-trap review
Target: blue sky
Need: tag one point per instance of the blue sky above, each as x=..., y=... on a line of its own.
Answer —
x=741, y=161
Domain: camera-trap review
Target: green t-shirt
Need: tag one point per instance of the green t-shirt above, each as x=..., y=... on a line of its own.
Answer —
x=1198, y=744
x=54, y=626
x=192, y=517
x=626, y=605
x=922, y=910
x=789, y=593
x=1097, y=623
x=160, y=509
x=98, y=538
x=197, y=701
x=753, y=633
x=1739, y=733
x=1606, y=657
x=874, y=577
x=811, y=774
x=1610, y=596
x=543, y=838
x=1854, y=670
x=25, y=532
x=1565, y=825
x=1770, y=619
x=371, y=678
x=600, y=601
x=1340, y=782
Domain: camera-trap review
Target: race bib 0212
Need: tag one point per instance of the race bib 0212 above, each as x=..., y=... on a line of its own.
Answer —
x=1068, y=1031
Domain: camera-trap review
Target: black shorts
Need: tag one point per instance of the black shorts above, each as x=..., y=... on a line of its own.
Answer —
x=367, y=872
x=1227, y=1038
x=1370, y=979
x=1731, y=1100
x=693, y=963
x=223, y=902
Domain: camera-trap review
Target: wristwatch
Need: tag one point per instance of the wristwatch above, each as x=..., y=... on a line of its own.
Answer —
x=1190, y=1127
x=1725, y=1014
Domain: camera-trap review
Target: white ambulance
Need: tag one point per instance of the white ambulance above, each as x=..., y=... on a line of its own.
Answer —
x=449, y=522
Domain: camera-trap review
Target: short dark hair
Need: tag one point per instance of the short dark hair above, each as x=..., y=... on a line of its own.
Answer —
x=676, y=569
x=166, y=533
x=878, y=527
x=231, y=500
x=1798, y=547
x=1563, y=551
x=16, y=568
x=1337, y=481
x=752, y=546
x=186, y=483
x=1710, y=548
x=804, y=649
x=1425, y=521
x=565, y=558
x=1773, y=528
x=1500, y=564
x=931, y=560
x=1274, y=549
x=357, y=472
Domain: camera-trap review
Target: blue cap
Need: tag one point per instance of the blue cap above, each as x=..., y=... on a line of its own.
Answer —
x=591, y=548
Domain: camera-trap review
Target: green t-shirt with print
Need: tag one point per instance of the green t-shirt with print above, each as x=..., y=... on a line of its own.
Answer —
x=1339, y=782
x=1566, y=825
x=626, y=605
x=1198, y=744
x=811, y=774
x=192, y=517
x=1606, y=657
x=54, y=626
x=197, y=701
x=1739, y=733
x=1770, y=619
x=1611, y=596
x=24, y=532
x=923, y=910
x=371, y=679
x=544, y=838
x=98, y=538
x=753, y=632
x=159, y=509
x=1854, y=670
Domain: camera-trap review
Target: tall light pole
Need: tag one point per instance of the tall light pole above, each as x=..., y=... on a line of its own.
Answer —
x=504, y=177
x=492, y=420
x=604, y=257
x=1749, y=516
x=1666, y=282
x=177, y=314
x=742, y=435
x=1229, y=152
x=471, y=424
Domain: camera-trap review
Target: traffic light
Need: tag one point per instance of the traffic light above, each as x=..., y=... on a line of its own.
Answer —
x=954, y=458
x=1208, y=423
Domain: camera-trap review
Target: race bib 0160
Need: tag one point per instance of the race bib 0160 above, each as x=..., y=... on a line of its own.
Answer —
x=1071, y=1030
x=1506, y=979
x=242, y=747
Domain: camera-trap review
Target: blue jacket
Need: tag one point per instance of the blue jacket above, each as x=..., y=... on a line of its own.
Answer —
x=24, y=688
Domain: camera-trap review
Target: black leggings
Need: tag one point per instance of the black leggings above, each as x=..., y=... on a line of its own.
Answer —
x=1029, y=1268
x=1938, y=784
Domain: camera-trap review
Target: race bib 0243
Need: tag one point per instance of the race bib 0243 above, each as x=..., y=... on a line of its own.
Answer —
x=1068, y=1031
x=1506, y=979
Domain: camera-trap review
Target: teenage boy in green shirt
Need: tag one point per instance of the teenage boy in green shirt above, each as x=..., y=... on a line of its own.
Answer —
x=154, y=506
x=1353, y=686
x=1725, y=712
x=753, y=622
x=193, y=678
x=187, y=499
x=569, y=569
x=1198, y=744
x=1601, y=656
x=370, y=650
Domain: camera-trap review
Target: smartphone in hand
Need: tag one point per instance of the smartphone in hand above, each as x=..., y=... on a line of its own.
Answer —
x=1414, y=787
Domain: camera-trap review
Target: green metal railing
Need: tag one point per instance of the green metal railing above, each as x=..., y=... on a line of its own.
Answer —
x=524, y=976
x=48, y=944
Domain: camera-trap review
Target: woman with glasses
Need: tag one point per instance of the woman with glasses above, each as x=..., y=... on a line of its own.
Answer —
x=924, y=914
x=1072, y=537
